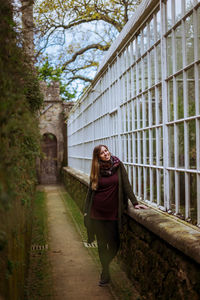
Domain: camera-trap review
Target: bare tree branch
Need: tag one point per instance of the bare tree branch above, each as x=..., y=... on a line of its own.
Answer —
x=83, y=50
x=80, y=77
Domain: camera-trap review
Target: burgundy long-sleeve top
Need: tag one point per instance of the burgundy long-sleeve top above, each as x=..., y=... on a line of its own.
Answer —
x=105, y=202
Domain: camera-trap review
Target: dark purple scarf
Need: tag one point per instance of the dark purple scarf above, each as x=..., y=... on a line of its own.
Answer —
x=108, y=168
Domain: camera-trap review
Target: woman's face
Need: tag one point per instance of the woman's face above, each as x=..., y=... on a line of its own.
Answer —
x=104, y=154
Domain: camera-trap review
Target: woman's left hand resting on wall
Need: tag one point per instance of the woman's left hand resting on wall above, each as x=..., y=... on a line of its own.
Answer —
x=140, y=206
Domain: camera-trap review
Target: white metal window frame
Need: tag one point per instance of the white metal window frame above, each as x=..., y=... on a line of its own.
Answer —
x=131, y=108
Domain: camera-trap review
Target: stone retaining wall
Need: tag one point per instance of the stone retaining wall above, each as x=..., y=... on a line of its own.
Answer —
x=160, y=254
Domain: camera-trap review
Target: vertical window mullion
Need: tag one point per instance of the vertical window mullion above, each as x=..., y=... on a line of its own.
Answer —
x=128, y=116
x=158, y=186
x=164, y=104
x=157, y=163
x=197, y=95
x=186, y=126
x=195, y=20
x=198, y=200
x=134, y=161
x=119, y=110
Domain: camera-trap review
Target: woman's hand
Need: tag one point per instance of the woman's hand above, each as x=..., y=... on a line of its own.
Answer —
x=140, y=206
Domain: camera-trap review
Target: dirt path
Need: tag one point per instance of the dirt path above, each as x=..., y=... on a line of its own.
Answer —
x=75, y=275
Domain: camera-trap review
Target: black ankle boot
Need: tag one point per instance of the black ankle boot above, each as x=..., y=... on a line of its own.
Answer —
x=105, y=278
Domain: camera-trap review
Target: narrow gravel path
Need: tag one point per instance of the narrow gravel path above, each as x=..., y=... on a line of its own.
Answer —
x=75, y=275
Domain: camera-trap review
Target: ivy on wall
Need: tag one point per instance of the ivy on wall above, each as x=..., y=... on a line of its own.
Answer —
x=20, y=98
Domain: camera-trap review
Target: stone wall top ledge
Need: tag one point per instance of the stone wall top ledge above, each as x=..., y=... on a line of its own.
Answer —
x=82, y=177
x=179, y=234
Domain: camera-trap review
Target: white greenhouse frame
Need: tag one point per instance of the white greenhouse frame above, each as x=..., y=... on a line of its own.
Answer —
x=144, y=103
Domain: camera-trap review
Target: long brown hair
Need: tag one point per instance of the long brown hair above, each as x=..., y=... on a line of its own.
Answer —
x=94, y=174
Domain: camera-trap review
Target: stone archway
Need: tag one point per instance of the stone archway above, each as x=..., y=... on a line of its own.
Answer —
x=48, y=164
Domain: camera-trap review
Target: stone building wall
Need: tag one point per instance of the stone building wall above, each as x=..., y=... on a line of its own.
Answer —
x=159, y=253
x=52, y=126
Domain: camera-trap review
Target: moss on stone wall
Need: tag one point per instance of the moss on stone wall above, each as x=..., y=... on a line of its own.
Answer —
x=19, y=143
x=76, y=189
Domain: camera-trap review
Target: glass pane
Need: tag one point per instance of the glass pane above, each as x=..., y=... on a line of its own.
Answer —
x=160, y=104
x=139, y=68
x=151, y=32
x=181, y=159
x=158, y=61
x=152, y=67
x=169, y=14
x=191, y=91
x=148, y=184
x=135, y=180
x=134, y=50
x=134, y=81
x=145, y=72
x=142, y=184
x=158, y=19
x=145, y=44
x=147, y=146
x=154, y=185
x=193, y=198
x=130, y=115
x=199, y=86
x=140, y=147
x=153, y=107
x=139, y=45
x=162, y=188
x=178, y=45
x=198, y=31
x=136, y=148
x=135, y=112
x=127, y=149
x=189, y=4
x=141, y=112
x=172, y=190
x=122, y=147
x=159, y=141
x=146, y=109
x=189, y=31
x=170, y=101
x=131, y=148
x=125, y=87
x=182, y=195
x=177, y=10
x=122, y=118
x=179, y=89
x=171, y=145
x=144, y=146
x=129, y=87
x=154, y=145
x=169, y=55
x=126, y=116
x=192, y=144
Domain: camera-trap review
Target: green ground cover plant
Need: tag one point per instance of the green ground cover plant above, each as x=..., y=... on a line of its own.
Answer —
x=39, y=283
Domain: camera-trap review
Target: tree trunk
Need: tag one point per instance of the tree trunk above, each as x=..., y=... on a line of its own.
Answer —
x=28, y=28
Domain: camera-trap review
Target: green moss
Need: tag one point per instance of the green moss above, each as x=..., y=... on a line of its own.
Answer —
x=39, y=282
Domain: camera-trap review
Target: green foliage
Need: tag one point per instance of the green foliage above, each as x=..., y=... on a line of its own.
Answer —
x=32, y=90
x=39, y=282
x=19, y=100
x=49, y=73
x=40, y=219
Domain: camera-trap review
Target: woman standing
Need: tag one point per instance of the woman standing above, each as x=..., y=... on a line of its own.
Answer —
x=106, y=200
